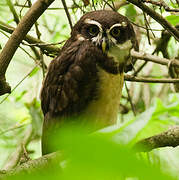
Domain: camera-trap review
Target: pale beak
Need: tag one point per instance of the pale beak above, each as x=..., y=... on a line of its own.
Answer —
x=103, y=46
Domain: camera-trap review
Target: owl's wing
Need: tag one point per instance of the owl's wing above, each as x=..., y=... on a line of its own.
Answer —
x=70, y=81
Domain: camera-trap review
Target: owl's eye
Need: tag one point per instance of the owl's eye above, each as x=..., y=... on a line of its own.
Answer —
x=93, y=30
x=115, y=32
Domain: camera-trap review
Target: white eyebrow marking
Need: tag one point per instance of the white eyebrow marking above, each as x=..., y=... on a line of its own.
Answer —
x=123, y=24
x=90, y=21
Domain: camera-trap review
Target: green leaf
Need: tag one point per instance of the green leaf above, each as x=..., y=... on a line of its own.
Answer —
x=173, y=19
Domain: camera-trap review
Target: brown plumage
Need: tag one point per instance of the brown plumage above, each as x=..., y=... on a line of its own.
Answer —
x=84, y=83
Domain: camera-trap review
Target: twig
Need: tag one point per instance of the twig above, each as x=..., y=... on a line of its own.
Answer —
x=36, y=24
x=149, y=80
x=164, y=139
x=139, y=69
x=130, y=100
x=67, y=13
x=145, y=27
x=13, y=128
x=18, y=84
x=106, y=2
x=43, y=44
x=166, y=25
x=12, y=9
x=53, y=8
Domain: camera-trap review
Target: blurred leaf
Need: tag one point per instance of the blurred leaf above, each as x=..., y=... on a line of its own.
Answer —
x=173, y=19
x=92, y=157
x=130, y=12
x=152, y=121
x=130, y=132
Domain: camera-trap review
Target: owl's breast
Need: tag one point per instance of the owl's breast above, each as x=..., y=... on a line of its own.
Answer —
x=103, y=110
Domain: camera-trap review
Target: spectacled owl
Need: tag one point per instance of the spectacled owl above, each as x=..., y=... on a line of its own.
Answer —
x=84, y=83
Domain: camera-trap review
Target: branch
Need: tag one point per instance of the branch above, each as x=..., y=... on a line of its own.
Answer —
x=33, y=165
x=149, y=80
x=155, y=59
x=11, y=7
x=164, y=139
x=166, y=25
x=67, y=13
x=16, y=38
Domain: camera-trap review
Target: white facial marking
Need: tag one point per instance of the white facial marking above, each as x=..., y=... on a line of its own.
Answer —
x=121, y=52
x=124, y=24
x=90, y=21
x=115, y=25
x=81, y=38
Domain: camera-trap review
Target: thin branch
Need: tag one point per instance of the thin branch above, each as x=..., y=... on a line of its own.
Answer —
x=13, y=128
x=166, y=25
x=106, y=2
x=130, y=100
x=43, y=44
x=145, y=27
x=67, y=13
x=139, y=69
x=18, y=85
x=12, y=9
x=149, y=80
x=53, y=8
x=36, y=23
x=164, y=139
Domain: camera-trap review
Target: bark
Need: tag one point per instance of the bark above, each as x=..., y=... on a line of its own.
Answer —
x=33, y=165
x=164, y=139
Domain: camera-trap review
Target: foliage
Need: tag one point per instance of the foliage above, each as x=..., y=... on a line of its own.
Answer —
x=105, y=154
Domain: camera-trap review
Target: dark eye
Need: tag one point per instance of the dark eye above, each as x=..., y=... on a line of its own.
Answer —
x=93, y=30
x=115, y=32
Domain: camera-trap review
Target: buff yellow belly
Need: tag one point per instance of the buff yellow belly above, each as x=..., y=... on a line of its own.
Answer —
x=104, y=111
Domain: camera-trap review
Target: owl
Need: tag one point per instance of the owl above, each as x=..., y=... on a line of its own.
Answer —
x=83, y=84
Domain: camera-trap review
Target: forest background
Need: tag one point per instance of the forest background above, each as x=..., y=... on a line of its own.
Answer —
x=149, y=104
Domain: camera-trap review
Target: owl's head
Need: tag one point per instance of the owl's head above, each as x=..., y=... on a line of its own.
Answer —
x=108, y=30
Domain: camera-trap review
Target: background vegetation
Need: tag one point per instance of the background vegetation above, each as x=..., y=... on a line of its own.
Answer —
x=146, y=108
